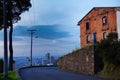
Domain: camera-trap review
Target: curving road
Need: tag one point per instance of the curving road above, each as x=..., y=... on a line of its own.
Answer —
x=51, y=73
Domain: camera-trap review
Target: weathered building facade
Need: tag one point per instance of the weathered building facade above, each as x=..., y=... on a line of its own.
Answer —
x=96, y=25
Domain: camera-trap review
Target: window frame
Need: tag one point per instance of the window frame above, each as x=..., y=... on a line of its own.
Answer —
x=105, y=34
x=104, y=20
x=87, y=26
x=88, y=39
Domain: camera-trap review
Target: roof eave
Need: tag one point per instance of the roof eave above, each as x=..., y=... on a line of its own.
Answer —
x=85, y=16
x=91, y=10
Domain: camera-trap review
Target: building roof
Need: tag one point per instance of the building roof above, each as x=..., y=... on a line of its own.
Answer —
x=92, y=10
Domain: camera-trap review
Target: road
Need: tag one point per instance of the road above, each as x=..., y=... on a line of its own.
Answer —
x=52, y=73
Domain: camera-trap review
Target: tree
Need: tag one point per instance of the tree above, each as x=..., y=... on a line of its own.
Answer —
x=109, y=51
x=14, y=8
x=15, y=12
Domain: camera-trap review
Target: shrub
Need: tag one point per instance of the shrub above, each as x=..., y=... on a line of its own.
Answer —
x=12, y=75
x=109, y=51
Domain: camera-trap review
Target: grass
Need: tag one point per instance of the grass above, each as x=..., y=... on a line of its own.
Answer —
x=110, y=75
x=111, y=71
x=11, y=76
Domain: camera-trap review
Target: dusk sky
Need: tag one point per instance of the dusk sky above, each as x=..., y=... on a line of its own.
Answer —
x=56, y=27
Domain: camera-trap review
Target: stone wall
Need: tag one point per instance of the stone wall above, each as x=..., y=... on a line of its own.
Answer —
x=80, y=61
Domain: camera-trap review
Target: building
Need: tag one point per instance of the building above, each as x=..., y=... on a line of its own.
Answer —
x=53, y=60
x=47, y=56
x=49, y=60
x=96, y=25
x=45, y=62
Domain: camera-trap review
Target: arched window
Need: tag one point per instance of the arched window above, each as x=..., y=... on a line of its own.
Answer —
x=88, y=39
x=105, y=35
x=87, y=26
x=104, y=20
x=94, y=38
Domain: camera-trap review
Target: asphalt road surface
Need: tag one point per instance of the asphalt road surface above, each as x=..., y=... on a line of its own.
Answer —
x=52, y=73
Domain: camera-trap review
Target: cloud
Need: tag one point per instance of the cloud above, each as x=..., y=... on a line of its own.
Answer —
x=63, y=11
x=56, y=39
x=42, y=31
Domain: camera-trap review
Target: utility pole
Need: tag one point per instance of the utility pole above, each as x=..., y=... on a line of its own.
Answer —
x=5, y=38
x=31, y=33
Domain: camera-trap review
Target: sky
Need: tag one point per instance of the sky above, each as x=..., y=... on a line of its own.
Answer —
x=56, y=27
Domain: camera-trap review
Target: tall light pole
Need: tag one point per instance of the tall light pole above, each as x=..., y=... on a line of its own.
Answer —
x=31, y=33
x=5, y=39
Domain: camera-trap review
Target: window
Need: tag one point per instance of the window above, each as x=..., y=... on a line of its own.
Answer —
x=87, y=26
x=94, y=38
x=105, y=35
x=88, y=39
x=104, y=20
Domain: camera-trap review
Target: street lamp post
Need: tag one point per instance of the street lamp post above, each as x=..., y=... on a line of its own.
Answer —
x=31, y=32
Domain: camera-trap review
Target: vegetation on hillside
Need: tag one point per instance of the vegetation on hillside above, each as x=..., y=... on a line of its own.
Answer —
x=11, y=76
x=109, y=51
x=107, y=56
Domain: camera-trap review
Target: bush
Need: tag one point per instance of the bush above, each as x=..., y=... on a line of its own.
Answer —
x=12, y=75
x=109, y=51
